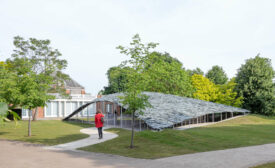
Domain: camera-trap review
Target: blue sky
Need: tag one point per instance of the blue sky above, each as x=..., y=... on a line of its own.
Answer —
x=199, y=33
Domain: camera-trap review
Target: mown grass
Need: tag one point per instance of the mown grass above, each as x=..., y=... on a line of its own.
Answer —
x=239, y=132
x=48, y=132
x=268, y=165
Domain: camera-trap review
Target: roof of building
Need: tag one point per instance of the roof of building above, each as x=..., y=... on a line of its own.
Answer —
x=168, y=110
x=70, y=83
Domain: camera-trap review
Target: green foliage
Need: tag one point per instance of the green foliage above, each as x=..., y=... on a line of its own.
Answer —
x=41, y=59
x=32, y=71
x=157, y=57
x=205, y=89
x=168, y=77
x=197, y=71
x=161, y=73
x=9, y=92
x=133, y=98
x=208, y=91
x=228, y=95
x=117, y=77
x=217, y=75
x=254, y=84
x=4, y=112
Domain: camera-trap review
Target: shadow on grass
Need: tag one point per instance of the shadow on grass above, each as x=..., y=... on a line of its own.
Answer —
x=57, y=140
x=2, y=133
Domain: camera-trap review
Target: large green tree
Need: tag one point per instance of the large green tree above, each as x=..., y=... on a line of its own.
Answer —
x=133, y=97
x=167, y=77
x=162, y=72
x=217, y=75
x=33, y=71
x=118, y=78
x=23, y=88
x=43, y=61
x=254, y=84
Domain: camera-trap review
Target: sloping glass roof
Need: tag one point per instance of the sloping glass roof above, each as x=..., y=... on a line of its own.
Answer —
x=168, y=110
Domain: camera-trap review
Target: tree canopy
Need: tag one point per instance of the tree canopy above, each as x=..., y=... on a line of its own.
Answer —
x=217, y=75
x=169, y=78
x=195, y=71
x=161, y=72
x=255, y=85
x=208, y=91
x=32, y=71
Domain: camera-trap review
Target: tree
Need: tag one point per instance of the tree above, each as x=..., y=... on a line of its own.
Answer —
x=197, y=71
x=254, y=83
x=34, y=69
x=205, y=89
x=168, y=77
x=228, y=95
x=43, y=59
x=118, y=78
x=208, y=91
x=217, y=75
x=7, y=83
x=133, y=97
x=155, y=56
x=23, y=87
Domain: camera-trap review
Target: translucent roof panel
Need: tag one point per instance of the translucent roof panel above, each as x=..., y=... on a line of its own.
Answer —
x=168, y=110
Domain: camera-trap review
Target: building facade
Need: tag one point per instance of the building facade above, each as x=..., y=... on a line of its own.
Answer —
x=62, y=107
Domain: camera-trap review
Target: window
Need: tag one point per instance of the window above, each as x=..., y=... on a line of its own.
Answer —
x=55, y=109
x=109, y=108
x=48, y=109
x=62, y=113
x=25, y=113
x=68, y=108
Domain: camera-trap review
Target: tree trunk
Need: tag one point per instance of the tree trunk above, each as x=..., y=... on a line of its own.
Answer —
x=133, y=124
x=34, y=118
x=29, y=127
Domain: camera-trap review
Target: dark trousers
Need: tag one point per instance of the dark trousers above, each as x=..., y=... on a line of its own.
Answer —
x=100, y=132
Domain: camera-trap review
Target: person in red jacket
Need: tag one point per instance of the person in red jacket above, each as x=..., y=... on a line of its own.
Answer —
x=99, y=123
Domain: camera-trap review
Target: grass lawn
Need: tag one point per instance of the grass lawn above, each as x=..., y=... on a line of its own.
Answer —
x=268, y=165
x=47, y=132
x=244, y=131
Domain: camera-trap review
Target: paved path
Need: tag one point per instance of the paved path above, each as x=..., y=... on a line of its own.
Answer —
x=231, y=158
x=25, y=155
x=91, y=140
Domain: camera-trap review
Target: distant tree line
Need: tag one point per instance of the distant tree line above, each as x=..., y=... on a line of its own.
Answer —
x=252, y=88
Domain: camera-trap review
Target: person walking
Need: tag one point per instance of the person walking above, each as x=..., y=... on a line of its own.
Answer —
x=99, y=121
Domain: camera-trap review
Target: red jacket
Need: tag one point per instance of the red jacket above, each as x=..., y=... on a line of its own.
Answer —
x=98, y=122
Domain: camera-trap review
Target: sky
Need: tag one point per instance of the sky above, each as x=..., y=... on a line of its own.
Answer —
x=199, y=33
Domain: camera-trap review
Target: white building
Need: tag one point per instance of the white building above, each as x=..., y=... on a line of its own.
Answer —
x=62, y=107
